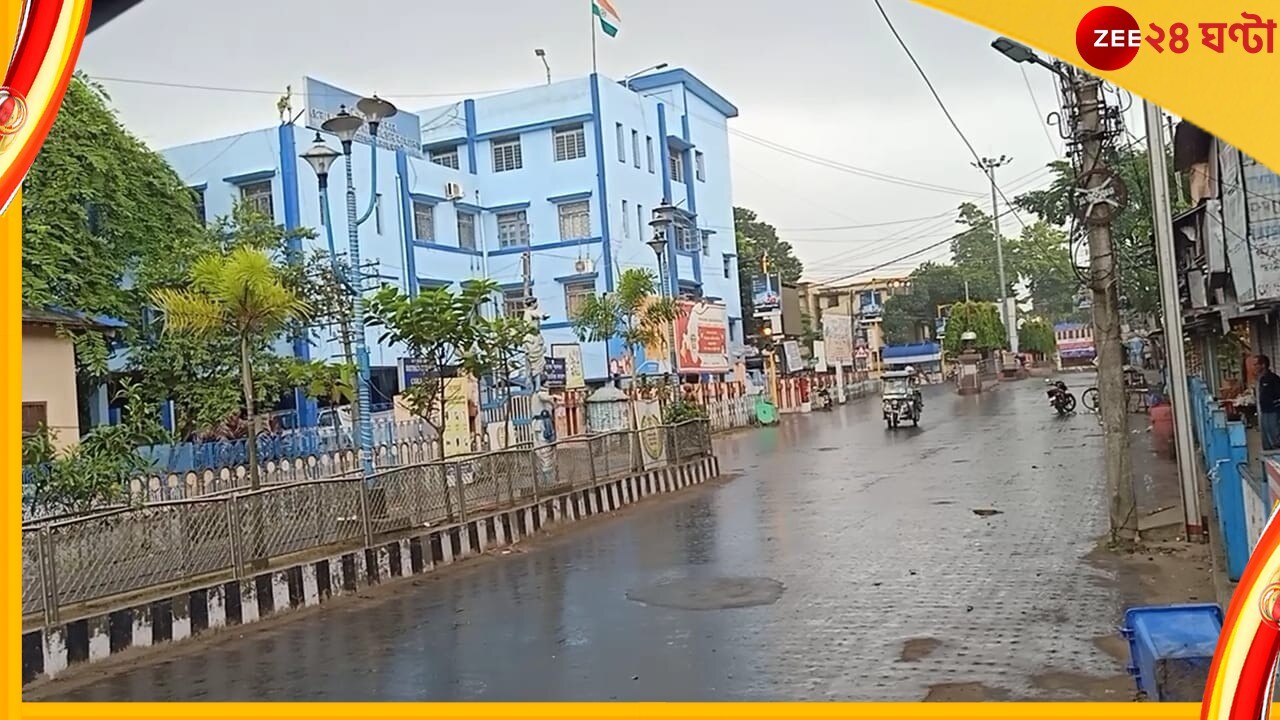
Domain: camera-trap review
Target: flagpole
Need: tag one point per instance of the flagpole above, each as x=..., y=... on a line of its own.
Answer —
x=593, y=38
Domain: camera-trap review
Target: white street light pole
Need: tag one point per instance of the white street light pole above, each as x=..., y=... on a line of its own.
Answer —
x=1171, y=304
x=1008, y=310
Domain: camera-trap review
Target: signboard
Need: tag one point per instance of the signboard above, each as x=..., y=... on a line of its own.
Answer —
x=1262, y=209
x=702, y=337
x=837, y=337
x=457, y=417
x=402, y=131
x=571, y=354
x=555, y=373
x=413, y=370
x=819, y=356
x=653, y=441
x=766, y=294
x=791, y=353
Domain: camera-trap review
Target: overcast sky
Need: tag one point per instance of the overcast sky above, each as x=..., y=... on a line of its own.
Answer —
x=826, y=78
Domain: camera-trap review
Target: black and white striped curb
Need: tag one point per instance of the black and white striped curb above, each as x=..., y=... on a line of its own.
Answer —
x=191, y=613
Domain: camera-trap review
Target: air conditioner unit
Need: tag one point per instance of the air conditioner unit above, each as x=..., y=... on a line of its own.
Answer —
x=584, y=265
x=453, y=191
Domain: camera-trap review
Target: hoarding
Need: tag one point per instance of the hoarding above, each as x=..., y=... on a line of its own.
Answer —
x=571, y=355
x=402, y=131
x=837, y=336
x=766, y=293
x=791, y=355
x=702, y=337
x=555, y=373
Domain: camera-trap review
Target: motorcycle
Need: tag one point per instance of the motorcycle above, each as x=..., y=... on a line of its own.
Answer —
x=822, y=400
x=1060, y=398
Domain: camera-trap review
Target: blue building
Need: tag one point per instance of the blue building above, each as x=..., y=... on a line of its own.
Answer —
x=569, y=172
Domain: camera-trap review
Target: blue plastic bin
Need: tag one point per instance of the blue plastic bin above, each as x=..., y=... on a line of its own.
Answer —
x=1171, y=648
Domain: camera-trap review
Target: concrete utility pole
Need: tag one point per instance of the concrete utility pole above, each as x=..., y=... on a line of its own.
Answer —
x=1162, y=221
x=1007, y=313
x=1104, y=280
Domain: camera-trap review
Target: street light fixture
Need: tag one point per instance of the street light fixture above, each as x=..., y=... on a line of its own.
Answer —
x=1020, y=53
x=346, y=126
x=542, y=55
x=662, y=222
x=626, y=80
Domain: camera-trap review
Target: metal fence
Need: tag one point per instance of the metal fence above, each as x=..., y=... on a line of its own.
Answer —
x=90, y=558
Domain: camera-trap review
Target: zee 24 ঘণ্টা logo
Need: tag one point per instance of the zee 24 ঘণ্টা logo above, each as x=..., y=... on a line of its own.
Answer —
x=1108, y=37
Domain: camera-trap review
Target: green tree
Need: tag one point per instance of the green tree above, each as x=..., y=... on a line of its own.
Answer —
x=909, y=317
x=1131, y=227
x=980, y=318
x=756, y=240
x=105, y=219
x=498, y=346
x=1044, y=259
x=1035, y=335
x=633, y=312
x=237, y=294
x=439, y=328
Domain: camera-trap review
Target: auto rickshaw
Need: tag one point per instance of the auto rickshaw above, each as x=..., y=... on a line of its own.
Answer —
x=899, y=397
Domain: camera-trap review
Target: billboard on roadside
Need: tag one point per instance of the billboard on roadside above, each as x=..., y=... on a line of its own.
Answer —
x=837, y=336
x=702, y=337
x=402, y=131
x=766, y=293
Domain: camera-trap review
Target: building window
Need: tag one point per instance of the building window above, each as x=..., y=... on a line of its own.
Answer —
x=466, y=231
x=197, y=200
x=377, y=213
x=570, y=143
x=648, y=146
x=575, y=220
x=513, y=229
x=257, y=195
x=700, y=166
x=576, y=293
x=677, y=167
x=424, y=221
x=34, y=415
x=626, y=224
x=447, y=157
x=706, y=242
x=640, y=221
x=635, y=148
x=686, y=239
x=728, y=266
x=622, y=150
x=513, y=302
x=506, y=155
x=833, y=301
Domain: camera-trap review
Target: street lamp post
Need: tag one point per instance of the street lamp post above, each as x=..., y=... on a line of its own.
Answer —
x=345, y=126
x=626, y=81
x=1008, y=310
x=662, y=223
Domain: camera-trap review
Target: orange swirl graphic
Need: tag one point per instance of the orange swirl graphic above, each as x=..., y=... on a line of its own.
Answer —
x=48, y=38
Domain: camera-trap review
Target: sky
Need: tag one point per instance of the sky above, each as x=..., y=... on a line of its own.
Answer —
x=825, y=78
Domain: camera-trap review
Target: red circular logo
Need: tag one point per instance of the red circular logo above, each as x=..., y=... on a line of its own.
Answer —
x=1108, y=37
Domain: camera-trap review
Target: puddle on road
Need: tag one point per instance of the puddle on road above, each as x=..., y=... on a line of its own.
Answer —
x=719, y=593
x=918, y=648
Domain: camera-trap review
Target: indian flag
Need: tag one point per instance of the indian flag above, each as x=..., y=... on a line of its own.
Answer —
x=609, y=19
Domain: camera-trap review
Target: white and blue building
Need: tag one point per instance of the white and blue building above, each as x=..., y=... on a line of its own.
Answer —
x=569, y=171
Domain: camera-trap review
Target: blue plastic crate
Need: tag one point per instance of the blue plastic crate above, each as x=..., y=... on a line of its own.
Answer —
x=1171, y=648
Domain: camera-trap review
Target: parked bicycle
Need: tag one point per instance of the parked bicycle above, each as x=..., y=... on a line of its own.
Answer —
x=1089, y=398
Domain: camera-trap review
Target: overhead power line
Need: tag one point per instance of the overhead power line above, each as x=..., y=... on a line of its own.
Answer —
x=277, y=93
x=929, y=83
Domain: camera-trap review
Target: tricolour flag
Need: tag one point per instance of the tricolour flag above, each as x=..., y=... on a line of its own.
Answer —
x=609, y=20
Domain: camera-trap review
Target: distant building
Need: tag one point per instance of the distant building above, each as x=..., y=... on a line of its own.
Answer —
x=1075, y=344
x=863, y=300
x=568, y=172
x=49, y=395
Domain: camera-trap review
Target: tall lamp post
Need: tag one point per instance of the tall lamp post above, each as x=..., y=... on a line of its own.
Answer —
x=662, y=223
x=346, y=126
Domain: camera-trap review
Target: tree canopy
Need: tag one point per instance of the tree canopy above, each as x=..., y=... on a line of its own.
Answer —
x=755, y=240
x=980, y=318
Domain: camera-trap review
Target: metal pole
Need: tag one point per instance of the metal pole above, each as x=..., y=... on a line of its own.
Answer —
x=1007, y=313
x=672, y=358
x=363, y=427
x=1162, y=219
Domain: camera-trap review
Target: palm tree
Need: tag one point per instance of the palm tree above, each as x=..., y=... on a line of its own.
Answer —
x=238, y=294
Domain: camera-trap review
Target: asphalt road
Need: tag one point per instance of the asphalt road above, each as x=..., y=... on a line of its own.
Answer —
x=841, y=561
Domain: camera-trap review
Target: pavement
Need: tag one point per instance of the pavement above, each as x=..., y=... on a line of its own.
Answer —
x=837, y=560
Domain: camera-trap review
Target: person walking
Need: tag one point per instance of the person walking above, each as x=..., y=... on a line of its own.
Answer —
x=1268, y=403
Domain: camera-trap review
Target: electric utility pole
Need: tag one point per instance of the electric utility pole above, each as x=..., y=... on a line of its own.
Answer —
x=1175, y=353
x=1099, y=196
x=1008, y=314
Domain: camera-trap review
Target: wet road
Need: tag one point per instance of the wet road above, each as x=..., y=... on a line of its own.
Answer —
x=877, y=581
